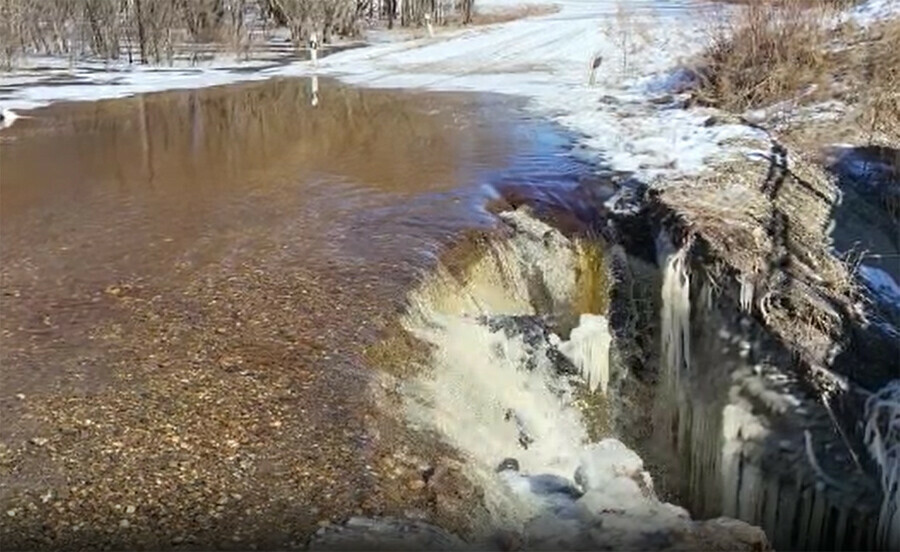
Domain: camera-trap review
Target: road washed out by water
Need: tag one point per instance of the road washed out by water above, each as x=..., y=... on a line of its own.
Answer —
x=292, y=313
x=235, y=315
x=295, y=313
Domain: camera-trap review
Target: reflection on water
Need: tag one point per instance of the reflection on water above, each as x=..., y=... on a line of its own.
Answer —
x=219, y=137
x=314, y=90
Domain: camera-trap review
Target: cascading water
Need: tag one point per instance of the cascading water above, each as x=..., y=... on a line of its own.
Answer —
x=588, y=349
x=501, y=388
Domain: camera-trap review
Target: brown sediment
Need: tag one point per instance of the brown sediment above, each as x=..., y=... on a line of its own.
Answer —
x=465, y=251
x=192, y=284
x=592, y=277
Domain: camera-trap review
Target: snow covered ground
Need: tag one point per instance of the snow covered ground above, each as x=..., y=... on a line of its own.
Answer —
x=872, y=11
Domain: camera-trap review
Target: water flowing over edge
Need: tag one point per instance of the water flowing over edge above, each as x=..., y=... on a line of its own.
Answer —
x=501, y=389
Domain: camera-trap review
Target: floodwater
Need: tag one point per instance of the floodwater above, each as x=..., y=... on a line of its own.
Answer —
x=189, y=283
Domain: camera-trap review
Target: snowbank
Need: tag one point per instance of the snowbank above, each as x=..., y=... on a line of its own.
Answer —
x=873, y=11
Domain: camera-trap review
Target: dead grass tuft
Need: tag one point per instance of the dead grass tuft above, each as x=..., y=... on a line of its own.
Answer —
x=512, y=13
x=781, y=54
x=874, y=71
x=768, y=52
x=802, y=291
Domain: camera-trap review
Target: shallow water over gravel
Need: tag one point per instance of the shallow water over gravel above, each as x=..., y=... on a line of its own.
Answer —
x=190, y=280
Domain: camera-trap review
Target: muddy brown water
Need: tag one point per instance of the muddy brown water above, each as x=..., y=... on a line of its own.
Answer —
x=189, y=282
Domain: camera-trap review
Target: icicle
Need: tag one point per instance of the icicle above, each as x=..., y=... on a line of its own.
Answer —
x=676, y=315
x=818, y=522
x=746, y=294
x=588, y=349
x=882, y=437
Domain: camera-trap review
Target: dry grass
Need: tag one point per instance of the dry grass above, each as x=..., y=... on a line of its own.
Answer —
x=783, y=54
x=768, y=52
x=773, y=51
x=512, y=13
x=798, y=283
x=871, y=67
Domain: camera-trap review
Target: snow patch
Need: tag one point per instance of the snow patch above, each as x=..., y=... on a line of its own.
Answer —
x=873, y=11
x=881, y=283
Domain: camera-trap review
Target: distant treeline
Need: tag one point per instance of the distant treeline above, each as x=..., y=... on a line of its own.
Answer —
x=156, y=31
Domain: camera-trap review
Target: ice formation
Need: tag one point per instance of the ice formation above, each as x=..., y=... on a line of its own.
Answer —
x=588, y=349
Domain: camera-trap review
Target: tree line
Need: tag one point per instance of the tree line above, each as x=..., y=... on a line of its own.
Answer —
x=156, y=31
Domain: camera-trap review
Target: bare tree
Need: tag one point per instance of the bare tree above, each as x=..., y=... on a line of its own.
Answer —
x=155, y=31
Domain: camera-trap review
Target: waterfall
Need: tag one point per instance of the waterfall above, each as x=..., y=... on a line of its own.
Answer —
x=588, y=349
x=501, y=388
x=676, y=311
